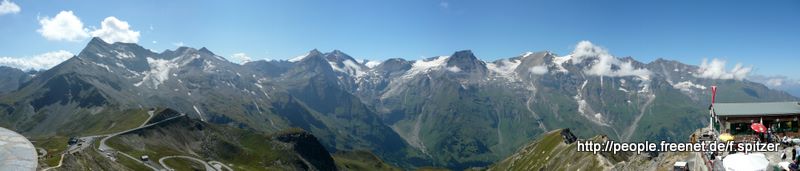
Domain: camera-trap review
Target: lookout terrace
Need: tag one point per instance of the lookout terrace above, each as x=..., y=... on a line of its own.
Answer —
x=742, y=119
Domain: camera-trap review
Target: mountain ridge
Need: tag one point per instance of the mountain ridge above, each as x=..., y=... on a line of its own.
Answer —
x=452, y=111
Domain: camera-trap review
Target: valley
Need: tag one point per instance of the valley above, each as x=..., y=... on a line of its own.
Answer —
x=182, y=106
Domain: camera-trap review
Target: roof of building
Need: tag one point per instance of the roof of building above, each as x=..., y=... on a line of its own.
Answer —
x=16, y=152
x=757, y=109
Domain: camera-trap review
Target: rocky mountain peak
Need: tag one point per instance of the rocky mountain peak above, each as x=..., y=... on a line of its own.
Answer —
x=338, y=56
x=97, y=41
x=393, y=65
x=465, y=60
x=205, y=50
x=314, y=52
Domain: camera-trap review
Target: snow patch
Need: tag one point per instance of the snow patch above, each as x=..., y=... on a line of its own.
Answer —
x=687, y=86
x=526, y=54
x=199, y=113
x=159, y=72
x=583, y=107
x=352, y=68
x=124, y=54
x=208, y=66
x=221, y=58
x=559, y=63
x=299, y=58
x=424, y=66
x=104, y=66
x=505, y=67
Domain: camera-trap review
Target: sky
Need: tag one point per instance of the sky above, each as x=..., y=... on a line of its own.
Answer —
x=761, y=35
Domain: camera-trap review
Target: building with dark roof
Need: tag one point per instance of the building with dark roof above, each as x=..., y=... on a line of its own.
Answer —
x=736, y=118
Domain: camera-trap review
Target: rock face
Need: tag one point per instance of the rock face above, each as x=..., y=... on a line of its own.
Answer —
x=453, y=111
x=307, y=146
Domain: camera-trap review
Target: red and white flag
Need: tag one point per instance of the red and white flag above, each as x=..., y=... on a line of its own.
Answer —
x=713, y=94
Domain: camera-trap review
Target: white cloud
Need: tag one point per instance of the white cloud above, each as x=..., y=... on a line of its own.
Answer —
x=687, y=86
x=370, y=63
x=8, y=7
x=454, y=69
x=64, y=26
x=778, y=81
x=538, y=70
x=179, y=44
x=114, y=30
x=242, y=58
x=716, y=70
x=604, y=62
x=444, y=4
x=38, y=62
x=775, y=82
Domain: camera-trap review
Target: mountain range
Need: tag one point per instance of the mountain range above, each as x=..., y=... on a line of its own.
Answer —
x=454, y=111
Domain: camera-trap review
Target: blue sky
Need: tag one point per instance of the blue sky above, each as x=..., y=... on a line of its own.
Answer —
x=759, y=34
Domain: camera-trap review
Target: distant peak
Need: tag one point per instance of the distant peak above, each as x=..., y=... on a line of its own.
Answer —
x=205, y=50
x=464, y=52
x=465, y=60
x=338, y=56
x=463, y=55
x=183, y=49
x=314, y=52
x=97, y=41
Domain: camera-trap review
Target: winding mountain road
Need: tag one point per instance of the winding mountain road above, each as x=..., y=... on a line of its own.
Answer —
x=104, y=148
x=207, y=165
x=221, y=165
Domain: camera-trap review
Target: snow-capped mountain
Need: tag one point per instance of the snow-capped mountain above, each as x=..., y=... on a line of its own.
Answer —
x=455, y=111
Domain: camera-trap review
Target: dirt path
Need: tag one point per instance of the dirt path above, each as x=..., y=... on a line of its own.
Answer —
x=60, y=162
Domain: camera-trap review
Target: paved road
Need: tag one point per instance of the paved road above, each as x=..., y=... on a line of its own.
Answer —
x=103, y=145
x=208, y=166
x=220, y=165
x=137, y=160
x=105, y=148
x=41, y=150
x=87, y=141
